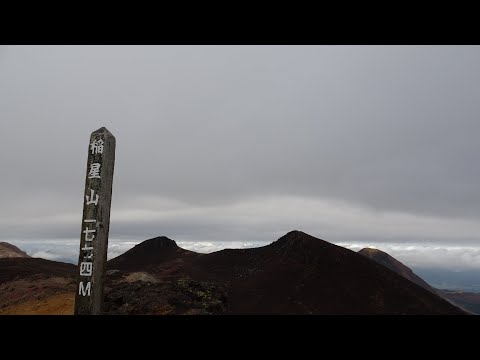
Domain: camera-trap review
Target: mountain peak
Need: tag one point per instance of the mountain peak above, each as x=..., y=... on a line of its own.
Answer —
x=299, y=237
x=381, y=257
x=300, y=245
x=372, y=252
x=150, y=251
x=157, y=243
x=295, y=235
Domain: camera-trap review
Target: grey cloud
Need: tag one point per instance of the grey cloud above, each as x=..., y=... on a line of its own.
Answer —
x=429, y=256
x=390, y=129
x=262, y=219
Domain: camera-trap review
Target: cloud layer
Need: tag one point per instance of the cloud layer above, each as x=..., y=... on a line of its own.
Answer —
x=424, y=256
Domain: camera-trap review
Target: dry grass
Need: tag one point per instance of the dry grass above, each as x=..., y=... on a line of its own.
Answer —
x=60, y=304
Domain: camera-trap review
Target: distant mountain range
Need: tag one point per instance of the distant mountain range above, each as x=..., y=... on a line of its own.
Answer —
x=297, y=274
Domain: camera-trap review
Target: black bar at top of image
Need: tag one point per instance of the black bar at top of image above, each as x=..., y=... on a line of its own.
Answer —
x=295, y=31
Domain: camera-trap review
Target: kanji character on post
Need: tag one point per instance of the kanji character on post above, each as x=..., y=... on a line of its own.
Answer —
x=97, y=146
x=90, y=199
x=88, y=231
x=94, y=171
x=87, y=252
x=86, y=268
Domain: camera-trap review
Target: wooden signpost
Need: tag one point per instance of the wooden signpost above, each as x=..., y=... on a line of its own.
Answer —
x=97, y=198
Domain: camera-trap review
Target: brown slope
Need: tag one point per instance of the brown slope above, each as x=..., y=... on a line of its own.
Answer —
x=393, y=264
x=27, y=283
x=11, y=251
x=57, y=304
x=27, y=268
x=298, y=274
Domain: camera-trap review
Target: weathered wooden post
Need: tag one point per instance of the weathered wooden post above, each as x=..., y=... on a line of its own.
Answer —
x=92, y=260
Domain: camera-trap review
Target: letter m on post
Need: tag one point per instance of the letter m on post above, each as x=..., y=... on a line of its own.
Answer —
x=84, y=290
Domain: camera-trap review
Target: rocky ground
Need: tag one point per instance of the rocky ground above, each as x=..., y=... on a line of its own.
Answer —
x=137, y=293
x=141, y=293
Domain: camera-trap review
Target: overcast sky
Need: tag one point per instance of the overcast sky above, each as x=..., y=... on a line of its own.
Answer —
x=237, y=145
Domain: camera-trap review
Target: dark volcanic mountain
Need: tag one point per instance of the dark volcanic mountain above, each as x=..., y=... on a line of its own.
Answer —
x=395, y=265
x=150, y=254
x=297, y=274
x=11, y=251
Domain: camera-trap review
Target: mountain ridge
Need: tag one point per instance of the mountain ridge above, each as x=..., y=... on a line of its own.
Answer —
x=296, y=274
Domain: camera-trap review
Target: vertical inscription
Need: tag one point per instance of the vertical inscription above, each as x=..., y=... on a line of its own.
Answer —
x=95, y=223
